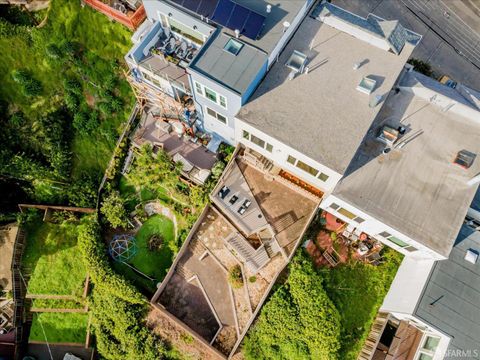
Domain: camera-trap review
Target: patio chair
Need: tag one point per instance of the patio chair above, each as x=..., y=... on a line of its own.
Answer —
x=182, y=50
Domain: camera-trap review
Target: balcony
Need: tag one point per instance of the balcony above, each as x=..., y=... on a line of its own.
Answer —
x=130, y=13
x=161, y=58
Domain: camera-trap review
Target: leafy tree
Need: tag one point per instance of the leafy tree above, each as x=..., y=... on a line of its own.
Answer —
x=421, y=66
x=299, y=321
x=114, y=209
x=83, y=192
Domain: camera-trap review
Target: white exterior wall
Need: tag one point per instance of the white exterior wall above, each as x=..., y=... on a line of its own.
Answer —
x=234, y=102
x=286, y=36
x=373, y=227
x=279, y=157
x=356, y=32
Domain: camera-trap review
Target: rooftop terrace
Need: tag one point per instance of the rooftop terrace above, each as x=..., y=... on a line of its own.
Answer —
x=322, y=113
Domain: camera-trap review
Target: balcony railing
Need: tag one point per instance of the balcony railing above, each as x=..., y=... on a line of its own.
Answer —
x=131, y=21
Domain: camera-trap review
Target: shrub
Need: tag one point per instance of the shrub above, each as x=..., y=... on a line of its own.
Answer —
x=299, y=321
x=252, y=279
x=72, y=86
x=114, y=210
x=72, y=101
x=29, y=85
x=53, y=52
x=217, y=169
x=80, y=120
x=235, y=277
x=421, y=66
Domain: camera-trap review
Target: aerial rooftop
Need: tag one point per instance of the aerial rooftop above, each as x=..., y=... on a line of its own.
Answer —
x=322, y=113
x=450, y=298
x=417, y=188
x=260, y=32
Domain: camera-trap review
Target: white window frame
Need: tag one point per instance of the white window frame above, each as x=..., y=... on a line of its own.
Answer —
x=421, y=350
x=319, y=172
x=248, y=136
x=216, y=115
x=219, y=99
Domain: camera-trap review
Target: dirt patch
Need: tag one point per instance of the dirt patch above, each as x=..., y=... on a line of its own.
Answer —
x=225, y=340
x=185, y=343
x=8, y=234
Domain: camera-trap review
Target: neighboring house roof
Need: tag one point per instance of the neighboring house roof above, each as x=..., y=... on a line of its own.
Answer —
x=236, y=72
x=391, y=31
x=417, y=188
x=450, y=300
x=322, y=114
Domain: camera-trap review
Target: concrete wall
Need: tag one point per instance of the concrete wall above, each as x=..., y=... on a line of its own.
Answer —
x=373, y=227
x=286, y=36
x=279, y=157
x=356, y=32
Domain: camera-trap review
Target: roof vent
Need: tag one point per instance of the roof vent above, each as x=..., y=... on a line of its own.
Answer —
x=269, y=8
x=471, y=256
x=388, y=135
x=286, y=25
x=465, y=158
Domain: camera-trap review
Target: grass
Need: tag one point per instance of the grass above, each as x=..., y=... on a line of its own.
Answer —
x=358, y=290
x=103, y=41
x=52, y=259
x=57, y=304
x=154, y=263
x=59, y=327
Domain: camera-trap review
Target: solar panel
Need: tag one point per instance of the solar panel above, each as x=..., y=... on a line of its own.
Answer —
x=223, y=11
x=207, y=7
x=238, y=18
x=200, y=7
x=253, y=25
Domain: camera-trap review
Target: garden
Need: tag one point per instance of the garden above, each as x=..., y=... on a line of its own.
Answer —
x=56, y=277
x=321, y=313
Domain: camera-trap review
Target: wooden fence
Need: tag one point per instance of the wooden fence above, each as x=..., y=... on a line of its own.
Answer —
x=130, y=21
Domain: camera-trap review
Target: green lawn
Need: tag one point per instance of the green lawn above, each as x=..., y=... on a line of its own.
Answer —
x=58, y=304
x=59, y=327
x=154, y=263
x=53, y=260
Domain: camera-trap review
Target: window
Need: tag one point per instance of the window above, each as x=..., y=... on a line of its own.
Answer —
x=307, y=168
x=334, y=206
x=257, y=141
x=216, y=115
x=397, y=241
x=223, y=101
x=323, y=177
x=233, y=46
x=385, y=234
x=427, y=351
x=211, y=95
x=346, y=213
x=359, y=220
x=198, y=88
x=411, y=248
x=291, y=160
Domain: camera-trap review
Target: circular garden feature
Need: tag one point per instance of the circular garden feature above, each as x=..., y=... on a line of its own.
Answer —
x=123, y=247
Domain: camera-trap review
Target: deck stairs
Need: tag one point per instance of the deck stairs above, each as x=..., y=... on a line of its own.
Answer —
x=373, y=338
x=255, y=259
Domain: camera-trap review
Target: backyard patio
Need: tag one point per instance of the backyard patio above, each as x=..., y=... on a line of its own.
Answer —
x=334, y=242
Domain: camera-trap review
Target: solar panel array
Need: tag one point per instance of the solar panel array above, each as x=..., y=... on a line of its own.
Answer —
x=200, y=7
x=229, y=14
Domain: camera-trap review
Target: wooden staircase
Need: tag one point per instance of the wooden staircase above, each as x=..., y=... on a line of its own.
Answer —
x=373, y=338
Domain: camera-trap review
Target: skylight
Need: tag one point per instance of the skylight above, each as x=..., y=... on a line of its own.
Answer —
x=465, y=158
x=367, y=85
x=233, y=46
x=296, y=61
